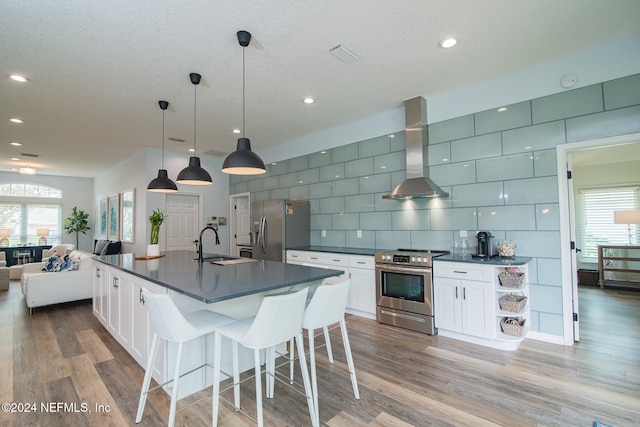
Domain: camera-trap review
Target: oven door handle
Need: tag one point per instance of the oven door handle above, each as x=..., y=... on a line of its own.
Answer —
x=386, y=267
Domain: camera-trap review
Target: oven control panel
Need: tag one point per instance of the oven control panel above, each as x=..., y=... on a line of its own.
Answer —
x=404, y=259
x=422, y=258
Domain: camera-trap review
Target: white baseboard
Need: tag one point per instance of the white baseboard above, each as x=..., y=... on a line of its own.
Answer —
x=539, y=336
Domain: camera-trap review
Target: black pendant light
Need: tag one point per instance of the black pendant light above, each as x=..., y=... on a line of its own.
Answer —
x=194, y=174
x=243, y=161
x=162, y=184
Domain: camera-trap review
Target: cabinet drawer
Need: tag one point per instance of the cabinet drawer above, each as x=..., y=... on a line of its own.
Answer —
x=326, y=258
x=367, y=262
x=296, y=256
x=462, y=271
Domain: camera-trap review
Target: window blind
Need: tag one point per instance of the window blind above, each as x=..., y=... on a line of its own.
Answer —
x=598, y=225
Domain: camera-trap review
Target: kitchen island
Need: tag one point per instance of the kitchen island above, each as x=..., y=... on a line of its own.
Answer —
x=235, y=289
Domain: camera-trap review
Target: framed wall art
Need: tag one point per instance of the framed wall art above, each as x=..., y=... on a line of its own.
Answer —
x=113, y=225
x=127, y=215
x=102, y=231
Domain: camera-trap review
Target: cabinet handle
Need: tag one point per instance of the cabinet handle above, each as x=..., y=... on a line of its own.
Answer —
x=459, y=272
x=141, y=297
x=456, y=292
x=98, y=273
x=361, y=262
x=313, y=257
x=335, y=260
x=464, y=293
x=115, y=282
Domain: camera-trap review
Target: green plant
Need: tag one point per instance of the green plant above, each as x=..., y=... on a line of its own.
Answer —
x=77, y=223
x=156, y=219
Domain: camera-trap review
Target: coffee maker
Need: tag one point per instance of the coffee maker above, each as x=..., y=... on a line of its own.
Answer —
x=486, y=248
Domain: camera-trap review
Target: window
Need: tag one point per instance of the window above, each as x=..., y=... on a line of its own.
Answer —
x=21, y=221
x=597, y=224
x=22, y=189
x=24, y=220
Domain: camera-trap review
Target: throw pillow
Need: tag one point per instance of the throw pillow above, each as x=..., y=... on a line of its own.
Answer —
x=52, y=263
x=100, y=244
x=105, y=248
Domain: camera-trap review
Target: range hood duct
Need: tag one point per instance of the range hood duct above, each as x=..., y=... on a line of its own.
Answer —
x=417, y=184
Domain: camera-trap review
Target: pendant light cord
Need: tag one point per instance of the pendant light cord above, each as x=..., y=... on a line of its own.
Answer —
x=163, y=139
x=243, y=96
x=195, y=95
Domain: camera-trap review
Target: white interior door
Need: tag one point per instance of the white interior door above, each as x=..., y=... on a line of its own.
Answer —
x=183, y=219
x=239, y=221
x=574, y=254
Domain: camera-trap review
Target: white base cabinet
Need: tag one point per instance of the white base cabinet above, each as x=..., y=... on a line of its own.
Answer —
x=466, y=303
x=360, y=268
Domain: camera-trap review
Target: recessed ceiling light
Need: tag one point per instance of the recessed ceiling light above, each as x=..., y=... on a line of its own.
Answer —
x=14, y=158
x=236, y=131
x=308, y=100
x=193, y=150
x=448, y=42
x=445, y=159
x=528, y=147
x=16, y=143
x=501, y=109
x=15, y=120
x=18, y=78
x=392, y=136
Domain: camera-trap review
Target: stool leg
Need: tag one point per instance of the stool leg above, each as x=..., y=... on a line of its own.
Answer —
x=216, y=378
x=147, y=378
x=258, y=376
x=292, y=355
x=236, y=376
x=347, y=351
x=314, y=377
x=271, y=371
x=327, y=340
x=176, y=381
x=305, y=379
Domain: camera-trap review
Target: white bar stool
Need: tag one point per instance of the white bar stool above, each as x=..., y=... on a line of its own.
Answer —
x=171, y=325
x=279, y=320
x=327, y=307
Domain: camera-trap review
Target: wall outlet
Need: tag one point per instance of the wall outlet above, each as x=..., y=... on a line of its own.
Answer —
x=463, y=233
x=323, y=233
x=359, y=234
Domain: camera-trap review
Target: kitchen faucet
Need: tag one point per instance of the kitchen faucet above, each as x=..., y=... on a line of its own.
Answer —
x=200, y=240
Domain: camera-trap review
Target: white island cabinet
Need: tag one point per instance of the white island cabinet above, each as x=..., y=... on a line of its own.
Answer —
x=467, y=298
x=360, y=268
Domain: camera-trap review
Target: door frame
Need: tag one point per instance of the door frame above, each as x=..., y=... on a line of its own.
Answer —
x=233, y=240
x=567, y=217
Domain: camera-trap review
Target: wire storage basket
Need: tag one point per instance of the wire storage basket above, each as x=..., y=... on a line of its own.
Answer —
x=512, y=303
x=512, y=326
x=511, y=279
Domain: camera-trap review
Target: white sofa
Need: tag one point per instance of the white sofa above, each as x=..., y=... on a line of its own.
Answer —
x=42, y=288
x=61, y=249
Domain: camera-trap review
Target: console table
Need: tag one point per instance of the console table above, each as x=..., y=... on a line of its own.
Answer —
x=20, y=254
x=619, y=264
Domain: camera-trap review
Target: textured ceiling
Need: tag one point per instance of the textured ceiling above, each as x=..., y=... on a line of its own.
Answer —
x=97, y=68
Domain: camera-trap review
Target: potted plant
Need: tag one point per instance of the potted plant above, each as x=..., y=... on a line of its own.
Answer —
x=77, y=223
x=156, y=219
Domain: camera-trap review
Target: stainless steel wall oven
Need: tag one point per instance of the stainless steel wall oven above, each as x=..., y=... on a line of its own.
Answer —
x=405, y=289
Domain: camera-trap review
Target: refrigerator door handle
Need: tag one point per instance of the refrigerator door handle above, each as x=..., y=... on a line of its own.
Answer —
x=264, y=234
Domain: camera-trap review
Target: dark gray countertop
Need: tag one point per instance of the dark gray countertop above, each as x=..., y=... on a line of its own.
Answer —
x=213, y=283
x=496, y=260
x=337, y=250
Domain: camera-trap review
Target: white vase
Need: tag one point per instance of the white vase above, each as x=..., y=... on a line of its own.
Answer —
x=153, y=250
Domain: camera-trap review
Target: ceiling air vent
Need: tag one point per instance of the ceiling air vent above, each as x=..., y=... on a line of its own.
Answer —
x=30, y=155
x=343, y=54
x=176, y=139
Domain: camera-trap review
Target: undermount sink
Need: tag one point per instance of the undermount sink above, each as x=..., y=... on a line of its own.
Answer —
x=216, y=258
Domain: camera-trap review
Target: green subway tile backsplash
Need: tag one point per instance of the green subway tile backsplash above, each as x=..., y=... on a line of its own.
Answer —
x=515, y=116
x=499, y=168
x=572, y=103
x=621, y=93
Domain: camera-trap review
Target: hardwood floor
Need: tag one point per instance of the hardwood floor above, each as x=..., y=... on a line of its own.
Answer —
x=62, y=355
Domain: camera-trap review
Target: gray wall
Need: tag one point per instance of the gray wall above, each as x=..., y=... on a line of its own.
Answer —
x=501, y=174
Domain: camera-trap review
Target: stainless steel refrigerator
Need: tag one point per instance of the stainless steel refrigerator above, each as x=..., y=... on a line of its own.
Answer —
x=278, y=225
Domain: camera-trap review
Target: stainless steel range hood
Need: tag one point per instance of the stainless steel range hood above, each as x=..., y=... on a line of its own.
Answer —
x=417, y=184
